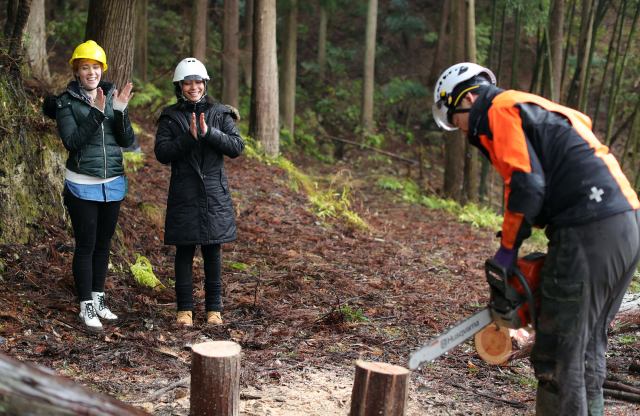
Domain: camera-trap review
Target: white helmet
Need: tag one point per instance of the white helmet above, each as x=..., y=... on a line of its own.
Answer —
x=443, y=99
x=190, y=69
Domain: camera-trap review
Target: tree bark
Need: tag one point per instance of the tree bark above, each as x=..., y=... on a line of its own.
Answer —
x=471, y=165
x=230, y=55
x=141, y=55
x=111, y=24
x=29, y=389
x=454, y=141
x=199, y=30
x=556, y=40
x=264, y=122
x=246, y=54
x=36, y=44
x=288, y=93
x=368, y=83
x=437, y=65
x=215, y=379
x=322, y=42
x=379, y=389
x=18, y=12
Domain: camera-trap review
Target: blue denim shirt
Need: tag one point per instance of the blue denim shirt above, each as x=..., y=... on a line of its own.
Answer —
x=114, y=190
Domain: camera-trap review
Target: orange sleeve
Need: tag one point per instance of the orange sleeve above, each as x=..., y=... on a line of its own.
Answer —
x=511, y=154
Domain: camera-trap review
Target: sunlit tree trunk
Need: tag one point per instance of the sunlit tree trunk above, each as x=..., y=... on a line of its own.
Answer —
x=111, y=24
x=199, y=30
x=454, y=141
x=322, y=42
x=368, y=82
x=36, y=42
x=264, y=122
x=289, y=55
x=140, y=54
x=230, y=53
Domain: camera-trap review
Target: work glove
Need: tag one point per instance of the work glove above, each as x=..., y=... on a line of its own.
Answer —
x=505, y=257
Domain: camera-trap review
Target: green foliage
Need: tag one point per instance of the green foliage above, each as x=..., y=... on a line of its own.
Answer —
x=239, y=266
x=148, y=95
x=68, y=27
x=634, y=287
x=133, y=161
x=143, y=273
x=352, y=315
x=628, y=339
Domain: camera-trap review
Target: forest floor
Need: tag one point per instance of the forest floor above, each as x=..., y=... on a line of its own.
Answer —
x=304, y=297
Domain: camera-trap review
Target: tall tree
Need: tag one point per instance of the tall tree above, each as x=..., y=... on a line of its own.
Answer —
x=322, y=40
x=230, y=55
x=471, y=164
x=368, y=82
x=290, y=44
x=556, y=40
x=36, y=44
x=576, y=89
x=454, y=141
x=264, y=122
x=246, y=53
x=141, y=55
x=17, y=16
x=437, y=58
x=199, y=30
x=110, y=24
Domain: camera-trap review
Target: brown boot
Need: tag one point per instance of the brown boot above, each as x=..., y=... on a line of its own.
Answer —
x=184, y=318
x=214, y=318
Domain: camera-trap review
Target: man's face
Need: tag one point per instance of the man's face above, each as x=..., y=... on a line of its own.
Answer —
x=461, y=119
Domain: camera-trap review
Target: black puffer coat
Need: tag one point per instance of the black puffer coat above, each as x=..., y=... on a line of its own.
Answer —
x=199, y=206
x=93, y=138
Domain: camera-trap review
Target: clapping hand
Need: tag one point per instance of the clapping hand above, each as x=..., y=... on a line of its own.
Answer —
x=194, y=129
x=100, y=100
x=122, y=98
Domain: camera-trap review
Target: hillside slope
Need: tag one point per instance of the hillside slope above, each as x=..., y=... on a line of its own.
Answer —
x=303, y=297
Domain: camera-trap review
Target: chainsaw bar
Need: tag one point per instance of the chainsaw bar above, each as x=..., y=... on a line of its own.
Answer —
x=456, y=335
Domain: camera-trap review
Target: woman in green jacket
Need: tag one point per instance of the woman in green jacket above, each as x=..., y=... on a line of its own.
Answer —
x=93, y=124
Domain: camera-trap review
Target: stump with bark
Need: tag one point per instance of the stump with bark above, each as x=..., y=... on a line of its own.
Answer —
x=379, y=389
x=215, y=379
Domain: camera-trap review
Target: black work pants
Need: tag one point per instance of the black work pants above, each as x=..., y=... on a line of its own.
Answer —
x=586, y=273
x=212, y=277
x=93, y=226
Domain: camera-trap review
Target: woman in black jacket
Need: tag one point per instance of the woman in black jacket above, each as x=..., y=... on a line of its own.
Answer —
x=93, y=124
x=193, y=136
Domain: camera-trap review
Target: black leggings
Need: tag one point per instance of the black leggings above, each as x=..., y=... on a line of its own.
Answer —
x=212, y=280
x=93, y=226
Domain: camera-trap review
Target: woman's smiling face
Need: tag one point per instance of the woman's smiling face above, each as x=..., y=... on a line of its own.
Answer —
x=89, y=73
x=193, y=90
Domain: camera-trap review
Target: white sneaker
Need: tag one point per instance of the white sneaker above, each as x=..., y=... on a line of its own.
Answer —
x=89, y=316
x=101, y=309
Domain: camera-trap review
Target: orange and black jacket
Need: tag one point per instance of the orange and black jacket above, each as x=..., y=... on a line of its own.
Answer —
x=555, y=170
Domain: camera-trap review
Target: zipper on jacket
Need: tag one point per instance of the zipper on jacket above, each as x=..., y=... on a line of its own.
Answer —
x=104, y=150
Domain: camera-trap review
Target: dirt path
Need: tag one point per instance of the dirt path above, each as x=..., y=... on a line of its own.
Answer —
x=303, y=297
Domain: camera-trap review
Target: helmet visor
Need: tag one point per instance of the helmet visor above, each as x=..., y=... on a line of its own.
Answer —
x=439, y=111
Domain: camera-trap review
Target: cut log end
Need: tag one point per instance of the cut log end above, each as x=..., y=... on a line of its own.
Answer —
x=217, y=349
x=493, y=344
x=382, y=368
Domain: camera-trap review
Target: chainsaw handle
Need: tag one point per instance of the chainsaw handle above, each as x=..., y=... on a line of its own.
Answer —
x=530, y=298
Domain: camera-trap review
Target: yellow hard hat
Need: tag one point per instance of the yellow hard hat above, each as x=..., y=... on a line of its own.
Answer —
x=90, y=50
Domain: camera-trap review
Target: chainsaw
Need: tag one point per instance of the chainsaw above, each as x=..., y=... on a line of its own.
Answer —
x=512, y=304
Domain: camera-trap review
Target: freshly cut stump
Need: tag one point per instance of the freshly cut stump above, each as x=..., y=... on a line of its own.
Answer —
x=379, y=389
x=493, y=344
x=215, y=379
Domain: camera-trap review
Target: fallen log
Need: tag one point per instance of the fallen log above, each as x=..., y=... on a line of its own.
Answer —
x=215, y=378
x=622, y=395
x=379, y=389
x=27, y=389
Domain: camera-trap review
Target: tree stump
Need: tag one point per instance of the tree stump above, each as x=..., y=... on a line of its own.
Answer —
x=379, y=389
x=215, y=379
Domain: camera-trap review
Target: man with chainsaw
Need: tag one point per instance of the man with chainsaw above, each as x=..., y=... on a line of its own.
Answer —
x=557, y=175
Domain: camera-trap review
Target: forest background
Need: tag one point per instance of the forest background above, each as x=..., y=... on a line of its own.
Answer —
x=333, y=86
